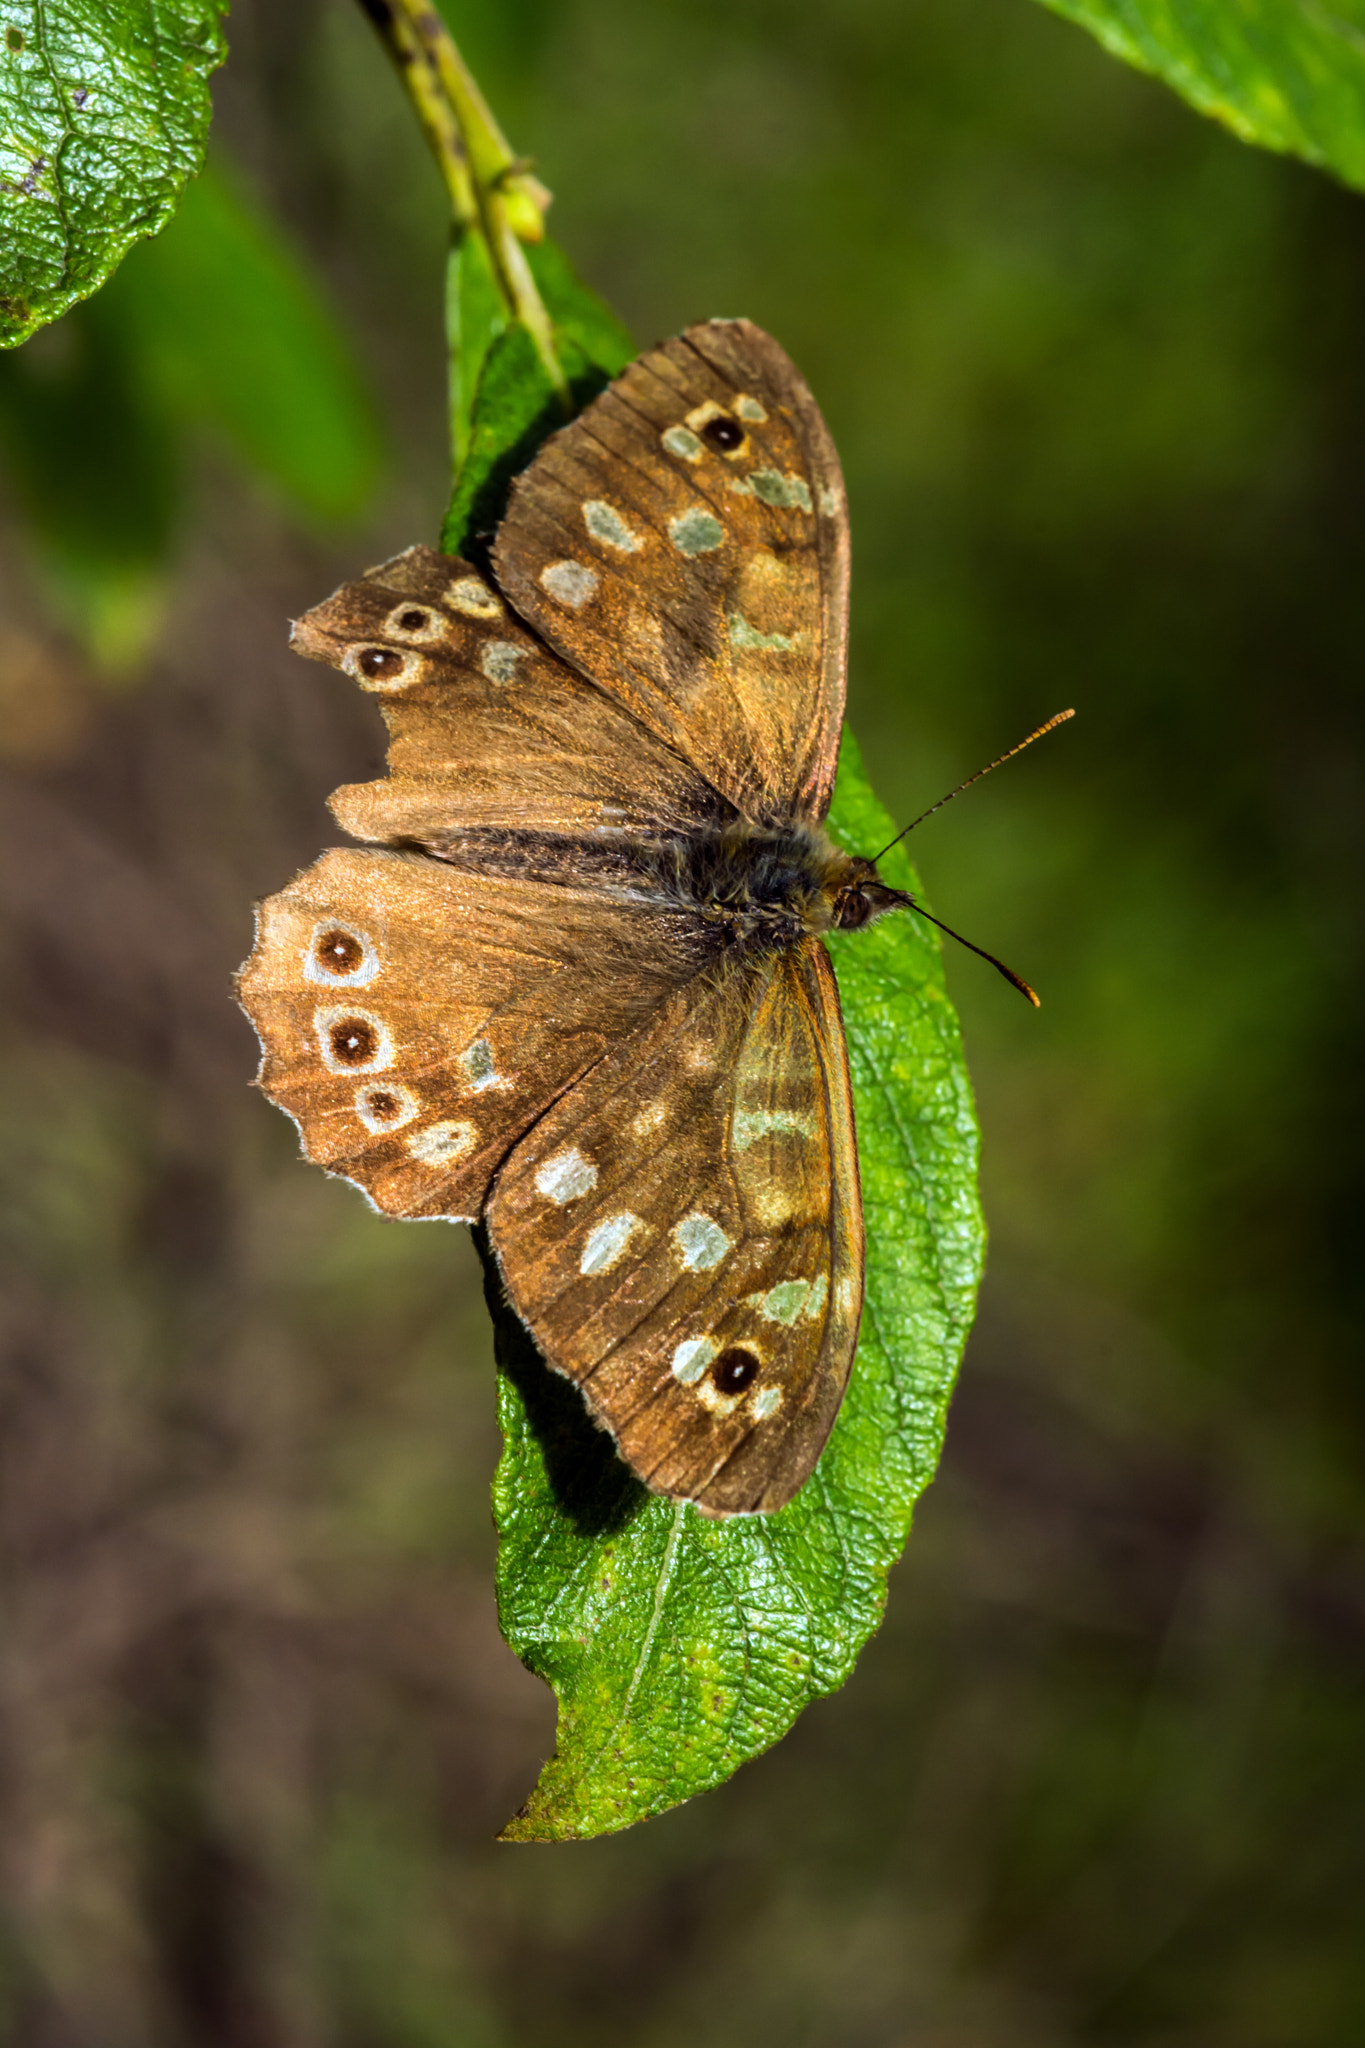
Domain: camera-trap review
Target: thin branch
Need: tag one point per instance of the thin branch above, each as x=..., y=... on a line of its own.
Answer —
x=491, y=193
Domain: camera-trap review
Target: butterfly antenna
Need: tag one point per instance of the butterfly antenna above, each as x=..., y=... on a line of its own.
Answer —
x=1017, y=980
x=1059, y=719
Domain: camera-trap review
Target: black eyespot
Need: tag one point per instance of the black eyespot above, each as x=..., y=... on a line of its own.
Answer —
x=354, y=1041
x=733, y=1371
x=339, y=952
x=722, y=432
x=380, y=661
x=383, y=1106
x=413, y=622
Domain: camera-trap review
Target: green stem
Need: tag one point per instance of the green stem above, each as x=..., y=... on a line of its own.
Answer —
x=490, y=191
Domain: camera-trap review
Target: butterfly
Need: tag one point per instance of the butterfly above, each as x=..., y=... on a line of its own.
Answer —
x=574, y=984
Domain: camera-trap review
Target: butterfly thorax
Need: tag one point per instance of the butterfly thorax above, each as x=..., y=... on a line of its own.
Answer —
x=767, y=885
x=761, y=886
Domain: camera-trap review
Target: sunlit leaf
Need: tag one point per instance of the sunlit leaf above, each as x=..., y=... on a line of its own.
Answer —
x=104, y=106
x=1288, y=74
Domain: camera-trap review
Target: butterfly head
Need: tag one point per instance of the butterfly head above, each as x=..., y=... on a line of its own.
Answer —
x=861, y=895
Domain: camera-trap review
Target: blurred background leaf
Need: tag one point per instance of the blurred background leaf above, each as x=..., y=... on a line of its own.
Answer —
x=216, y=326
x=1095, y=372
x=1288, y=74
x=104, y=107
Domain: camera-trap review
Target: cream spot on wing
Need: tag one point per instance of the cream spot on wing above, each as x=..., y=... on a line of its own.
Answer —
x=565, y=1176
x=742, y=634
x=766, y=1402
x=819, y=1293
x=647, y=1120
x=443, y=1144
x=382, y=668
x=570, y=583
x=701, y=1242
x=498, y=660
x=471, y=595
x=607, y=1242
x=846, y=1294
x=749, y=409
x=339, y=955
x=775, y=489
x=740, y=486
x=749, y=1125
x=386, y=1106
x=480, y=1069
x=605, y=523
x=698, y=1057
x=418, y=624
x=681, y=441
x=353, y=1041
x=783, y=1303
x=691, y=1359
x=696, y=532
x=827, y=500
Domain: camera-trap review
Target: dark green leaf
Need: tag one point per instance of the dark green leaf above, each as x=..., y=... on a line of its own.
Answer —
x=104, y=106
x=680, y=1646
x=578, y=314
x=1289, y=74
x=514, y=405
x=475, y=317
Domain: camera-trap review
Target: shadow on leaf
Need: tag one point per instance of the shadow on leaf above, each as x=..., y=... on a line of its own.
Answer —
x=591, y=1484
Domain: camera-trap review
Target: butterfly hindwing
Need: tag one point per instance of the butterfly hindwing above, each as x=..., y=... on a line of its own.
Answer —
x=684, y=542
x=682, y=1233
x=415, y=1018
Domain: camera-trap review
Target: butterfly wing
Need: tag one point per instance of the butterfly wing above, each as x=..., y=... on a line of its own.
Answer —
x=682, y=1233
x=415, y=1018
x=488, y=731
x=685, y=543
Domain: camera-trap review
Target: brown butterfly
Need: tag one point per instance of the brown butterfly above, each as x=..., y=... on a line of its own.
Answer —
x=576, y=984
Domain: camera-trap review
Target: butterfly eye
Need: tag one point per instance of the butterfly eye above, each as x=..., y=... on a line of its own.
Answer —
x=723, y=432
x=733, y=1371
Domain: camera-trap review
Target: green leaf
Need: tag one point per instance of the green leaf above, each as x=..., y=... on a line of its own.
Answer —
x=680, y=1646
x=1288, y=74
x=104, y=106
x=501, y=399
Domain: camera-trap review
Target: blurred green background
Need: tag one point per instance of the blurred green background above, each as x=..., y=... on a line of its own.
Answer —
x=1097, y=374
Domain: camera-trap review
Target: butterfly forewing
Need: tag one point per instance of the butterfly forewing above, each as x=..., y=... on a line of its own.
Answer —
x=682, y=1233
x=685, y=543
x=416, y=1017
x=487, y=729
